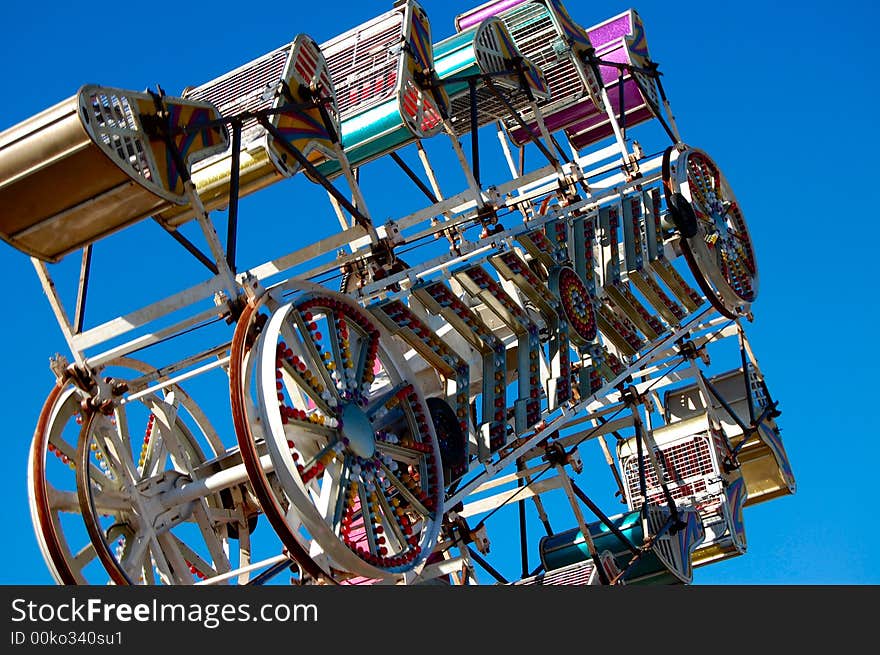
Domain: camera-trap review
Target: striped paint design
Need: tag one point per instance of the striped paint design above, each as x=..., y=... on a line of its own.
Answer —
x=184, y=116
x=691, y=536
x=735, y=494
x=572, y=30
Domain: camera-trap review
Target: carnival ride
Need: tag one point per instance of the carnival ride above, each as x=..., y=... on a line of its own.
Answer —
x=378, y=431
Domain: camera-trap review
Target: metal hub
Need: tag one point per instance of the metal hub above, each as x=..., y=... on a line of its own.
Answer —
x=357, y=431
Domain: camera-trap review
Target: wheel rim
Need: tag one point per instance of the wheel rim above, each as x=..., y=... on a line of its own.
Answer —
x=351, y=441
x=245, y=422
x=720, y=255
x=67, y=565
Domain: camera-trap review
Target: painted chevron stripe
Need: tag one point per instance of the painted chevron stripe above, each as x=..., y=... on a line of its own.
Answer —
x=572, y=30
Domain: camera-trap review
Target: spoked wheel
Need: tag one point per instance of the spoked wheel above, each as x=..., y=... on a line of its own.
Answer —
x=715, y=238
x=62, y=537
x=55, y=510
x=135, y=472
x=350, y=440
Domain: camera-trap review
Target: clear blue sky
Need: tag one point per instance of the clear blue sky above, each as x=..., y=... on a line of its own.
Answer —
x=782, y=95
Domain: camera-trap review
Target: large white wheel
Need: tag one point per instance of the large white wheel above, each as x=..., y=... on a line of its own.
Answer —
x=715, y=238
x=129, y=465
x=349, y=437
x=52, y=485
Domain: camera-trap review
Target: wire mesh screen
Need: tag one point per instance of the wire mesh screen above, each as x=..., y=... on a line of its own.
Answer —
x=580, y=573
x=685, y=466
x=363, y=64
x=663, y=547
x=244, y=89
x=531, y=27
x=113, y=121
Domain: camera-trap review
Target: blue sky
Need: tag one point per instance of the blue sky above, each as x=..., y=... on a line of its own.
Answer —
x=781, y=95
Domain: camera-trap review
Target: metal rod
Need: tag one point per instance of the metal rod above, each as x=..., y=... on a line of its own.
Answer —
x=234, y=185
x=567, y=485
x=410, y=173
x=475, y=141
x=523, y=539
x=652, y=447
x=528, y=128
x=505, y=148
x=244, y=569
x=271, y=572
x=180, y=378
x=622, y=106
x=562, y=154
x=163, y=372
x=724, y=404
x=57, y=306
x=314, y=173
x=603, y=518
x=746, y=381
x=643, y=483
x=610, y=461
x=672, y=128
x=215, y=482
x=82, y=289
x=191, y=248
x=489, y=568
x=545, y=521
x=590, y=60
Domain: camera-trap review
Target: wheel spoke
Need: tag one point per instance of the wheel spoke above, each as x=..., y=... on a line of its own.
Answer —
x=107, y=501
x=195, y=561
x=367, y=520
x=63, y=449
x=376, y=404
x=399, y=453
x=393, y=526
x=744, y=257
x=301, y=388
x=404, y=491
x=168, y=431
x=135, y=555
x=213, y=541
x=165, y=549
x=343, y=353
x=338, y=504
x=121, y=445
x=84, y=557
x=365, y=364
x=308, y=349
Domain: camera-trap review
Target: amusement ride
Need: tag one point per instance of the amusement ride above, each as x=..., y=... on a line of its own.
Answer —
x=414, y=400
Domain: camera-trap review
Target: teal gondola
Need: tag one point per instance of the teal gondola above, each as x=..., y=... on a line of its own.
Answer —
x=370, y=130
x=487, y=51
x=384, y=98
x=667, y=561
